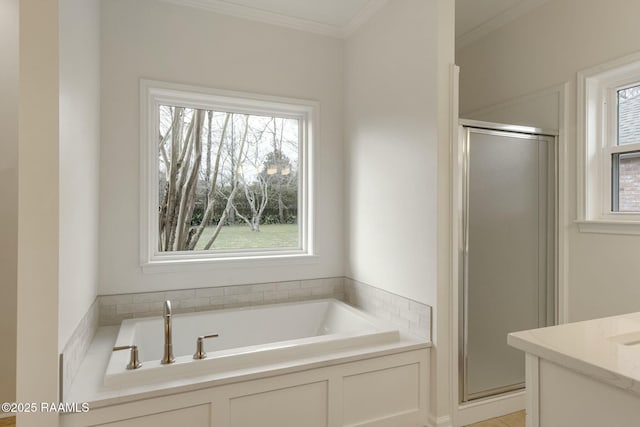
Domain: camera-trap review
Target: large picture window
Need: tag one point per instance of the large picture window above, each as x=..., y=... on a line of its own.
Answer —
x=227, y=175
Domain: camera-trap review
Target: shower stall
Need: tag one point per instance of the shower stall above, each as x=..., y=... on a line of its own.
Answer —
x=508, y=251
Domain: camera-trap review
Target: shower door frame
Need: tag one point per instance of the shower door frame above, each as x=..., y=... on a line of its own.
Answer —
x=465, y=127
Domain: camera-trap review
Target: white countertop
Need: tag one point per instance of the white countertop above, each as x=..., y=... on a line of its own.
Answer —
x=88, y=385
x=607, y=349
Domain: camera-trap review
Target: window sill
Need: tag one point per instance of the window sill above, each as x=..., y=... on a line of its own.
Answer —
x=631, y=228
x=204, y=264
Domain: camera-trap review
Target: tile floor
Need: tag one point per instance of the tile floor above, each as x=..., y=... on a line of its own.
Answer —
x=8, y=422
x=515, y=419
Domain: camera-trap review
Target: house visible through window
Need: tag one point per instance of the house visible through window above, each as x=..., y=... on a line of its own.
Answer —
x=626, y=165
x=227, y=175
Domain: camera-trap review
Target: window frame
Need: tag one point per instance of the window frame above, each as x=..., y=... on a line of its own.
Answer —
x=598, y=141
x=155, y=93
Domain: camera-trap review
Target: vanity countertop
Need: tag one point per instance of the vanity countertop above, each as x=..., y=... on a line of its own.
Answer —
x=606, y=349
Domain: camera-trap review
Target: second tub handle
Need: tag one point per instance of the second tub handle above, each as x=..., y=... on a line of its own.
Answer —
x=200, y=354
x=134, y=360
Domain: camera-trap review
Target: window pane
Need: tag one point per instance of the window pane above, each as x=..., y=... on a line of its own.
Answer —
x=227, y=180
x=629, y=115
x=626, y=182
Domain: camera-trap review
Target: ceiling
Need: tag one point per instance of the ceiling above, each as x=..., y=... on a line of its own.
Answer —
x=336, y=18
x=474, y=18
x=477, y=18
x=337, y=13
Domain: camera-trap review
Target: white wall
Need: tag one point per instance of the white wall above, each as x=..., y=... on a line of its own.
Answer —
x=156, y=40
x=543, y=49
x=392, y=150
x=8, y=195
x=398, y=88
x=38, y=197
x=447, y=81
x=79, y=160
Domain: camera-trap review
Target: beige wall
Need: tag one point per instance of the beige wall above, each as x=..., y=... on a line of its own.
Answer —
x=79, y=160
x=391, y=150
x=161, y=41
x=38, y=197
x=8, y=195
x=397, y=127
x=76, y=251
x=397, y=115
x=543, y=49
x=447, y=82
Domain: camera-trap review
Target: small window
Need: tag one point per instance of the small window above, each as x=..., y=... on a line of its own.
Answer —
x=626, y=182
x=628, y=107
x=625, y=164
x=609, y=127
x=227, y=175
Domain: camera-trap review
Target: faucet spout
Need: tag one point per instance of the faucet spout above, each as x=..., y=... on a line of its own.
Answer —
x=166, y=309
x=167, y=358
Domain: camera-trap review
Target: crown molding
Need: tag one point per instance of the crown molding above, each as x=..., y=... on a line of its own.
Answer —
x=245, y=12
x=498, y=21
x=370, y=9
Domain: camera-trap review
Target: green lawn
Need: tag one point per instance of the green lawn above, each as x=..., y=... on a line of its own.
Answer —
x=240, y=237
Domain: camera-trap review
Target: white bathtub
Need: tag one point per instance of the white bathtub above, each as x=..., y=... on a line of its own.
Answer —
x=248, y=337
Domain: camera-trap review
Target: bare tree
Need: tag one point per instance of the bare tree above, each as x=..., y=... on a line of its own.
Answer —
x=183, y=165
x=257, y=196
x=207, y=172
x=213, y=183
x=234, y=184
x=188, y=183
x=177, y=171
x=205, y=159
x=282, y=179
x=257, y=192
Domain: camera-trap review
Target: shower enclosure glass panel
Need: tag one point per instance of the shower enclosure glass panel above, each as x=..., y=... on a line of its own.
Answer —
x=508, y=278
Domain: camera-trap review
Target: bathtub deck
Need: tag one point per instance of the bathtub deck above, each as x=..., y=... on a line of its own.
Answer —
x=88, y=385
x=322, y=327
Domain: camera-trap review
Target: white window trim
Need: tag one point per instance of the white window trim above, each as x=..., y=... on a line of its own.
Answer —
x=152, y=94
x=596, y=133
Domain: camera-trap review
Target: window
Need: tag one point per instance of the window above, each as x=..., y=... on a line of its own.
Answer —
x=625, y=158
x=609, y=146
x=226, y=176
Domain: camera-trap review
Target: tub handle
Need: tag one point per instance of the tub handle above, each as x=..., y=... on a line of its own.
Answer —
x=134, y=360
x=200, y=354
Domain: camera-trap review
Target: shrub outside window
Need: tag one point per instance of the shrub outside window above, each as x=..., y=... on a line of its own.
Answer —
x=226, y=175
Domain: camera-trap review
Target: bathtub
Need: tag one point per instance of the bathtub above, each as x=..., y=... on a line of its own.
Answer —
x=248, y=337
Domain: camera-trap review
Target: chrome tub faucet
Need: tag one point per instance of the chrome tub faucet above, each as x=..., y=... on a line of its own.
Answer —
x=167, y=358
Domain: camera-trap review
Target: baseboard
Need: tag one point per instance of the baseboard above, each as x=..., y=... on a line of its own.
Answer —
x=439, y=422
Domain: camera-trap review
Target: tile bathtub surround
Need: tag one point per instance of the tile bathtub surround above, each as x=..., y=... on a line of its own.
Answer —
x=402, y=312
x=407, y=314
x=113, y=309
x=77, y=347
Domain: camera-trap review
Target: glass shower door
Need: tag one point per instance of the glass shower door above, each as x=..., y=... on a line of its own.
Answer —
x=508, y=278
